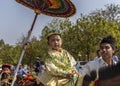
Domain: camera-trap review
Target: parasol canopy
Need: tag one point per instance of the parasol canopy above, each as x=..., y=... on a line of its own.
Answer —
x=58, y=8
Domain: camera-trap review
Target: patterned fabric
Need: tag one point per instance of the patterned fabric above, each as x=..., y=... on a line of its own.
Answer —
x=58, y=65
x=59, y=8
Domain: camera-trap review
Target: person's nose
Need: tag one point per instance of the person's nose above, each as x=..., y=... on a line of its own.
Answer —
x=56, y=42
x=104, y=50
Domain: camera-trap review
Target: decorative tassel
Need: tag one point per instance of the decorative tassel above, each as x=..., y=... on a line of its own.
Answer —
x=92, y=83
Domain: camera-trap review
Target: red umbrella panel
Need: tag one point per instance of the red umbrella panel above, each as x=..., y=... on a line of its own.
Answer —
x=59, y=8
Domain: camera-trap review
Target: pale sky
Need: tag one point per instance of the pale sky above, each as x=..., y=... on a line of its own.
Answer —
x=16, y=20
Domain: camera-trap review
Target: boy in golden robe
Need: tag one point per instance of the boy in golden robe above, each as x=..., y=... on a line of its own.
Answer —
x=60, y=65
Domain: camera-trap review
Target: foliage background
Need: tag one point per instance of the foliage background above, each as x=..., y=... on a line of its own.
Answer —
x=81, y=38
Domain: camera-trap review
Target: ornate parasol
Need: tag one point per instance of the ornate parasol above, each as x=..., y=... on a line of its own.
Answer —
x=57, y=8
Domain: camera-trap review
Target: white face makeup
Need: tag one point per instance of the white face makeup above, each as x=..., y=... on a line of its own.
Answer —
x=55, y=42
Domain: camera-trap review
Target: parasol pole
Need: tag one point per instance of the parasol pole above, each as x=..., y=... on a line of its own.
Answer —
x=25, y=46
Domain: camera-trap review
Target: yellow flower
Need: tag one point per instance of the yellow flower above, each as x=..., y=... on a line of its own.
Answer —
x=92, y=83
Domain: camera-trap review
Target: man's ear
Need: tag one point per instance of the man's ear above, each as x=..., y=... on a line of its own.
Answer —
x=113, y=52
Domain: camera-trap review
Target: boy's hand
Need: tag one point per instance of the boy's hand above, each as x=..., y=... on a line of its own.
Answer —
x=69, y=76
